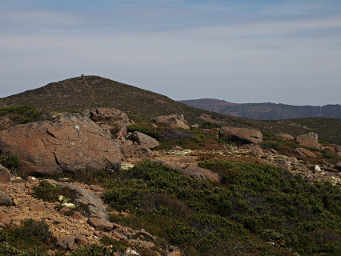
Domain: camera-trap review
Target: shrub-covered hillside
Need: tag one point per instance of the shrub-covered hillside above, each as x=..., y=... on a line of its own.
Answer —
x=258, y=210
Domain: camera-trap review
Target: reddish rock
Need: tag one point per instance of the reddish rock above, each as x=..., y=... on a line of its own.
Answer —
x=303, y=152
x=5, y=176
x=285, y=136
x=308, y=140
x=172, y=121
x=110, y=119
x=69, y=143
x=244, y=135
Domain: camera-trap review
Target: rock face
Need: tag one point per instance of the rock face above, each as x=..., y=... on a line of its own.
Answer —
x=110, y=119
x=243, y=135
x=173, y=121
x=308, y=140
x=144, y=140
x=5, y=176
x=69, y=143
x=285, y=136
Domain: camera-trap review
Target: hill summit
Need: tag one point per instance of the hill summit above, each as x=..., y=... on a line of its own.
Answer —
x=84, y=92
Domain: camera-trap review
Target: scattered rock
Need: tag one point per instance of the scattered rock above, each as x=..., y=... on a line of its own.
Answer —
x=5, y=199
x=69, y=143
x=308, y=140
x=144, y=140
x=303, y=152
x=5, y=176
x=100, y=224
x=242, y=135
x=285, y=136
x=173, y=121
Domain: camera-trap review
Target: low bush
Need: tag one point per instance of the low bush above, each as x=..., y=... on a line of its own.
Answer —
x=21, y=113
x=32, y=238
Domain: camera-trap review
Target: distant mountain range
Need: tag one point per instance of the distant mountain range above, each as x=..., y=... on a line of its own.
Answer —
x=265, y=111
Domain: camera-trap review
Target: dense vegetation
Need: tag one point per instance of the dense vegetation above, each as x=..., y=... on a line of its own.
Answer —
x=256, y=205
x=21, y=114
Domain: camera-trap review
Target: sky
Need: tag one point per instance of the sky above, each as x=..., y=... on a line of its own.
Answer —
x=282, y=51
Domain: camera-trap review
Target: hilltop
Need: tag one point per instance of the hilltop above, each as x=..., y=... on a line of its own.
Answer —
x=85, y=92
x=265, y=111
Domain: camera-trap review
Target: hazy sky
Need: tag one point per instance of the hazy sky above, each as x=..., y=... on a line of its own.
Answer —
x=285, y=51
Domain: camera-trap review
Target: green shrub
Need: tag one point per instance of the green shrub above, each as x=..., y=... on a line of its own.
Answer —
x=21, y=113
x=10, y=161
x=33, y=237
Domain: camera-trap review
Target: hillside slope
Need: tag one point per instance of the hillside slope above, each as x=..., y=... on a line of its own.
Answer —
x=265, y=111
x=80, y=93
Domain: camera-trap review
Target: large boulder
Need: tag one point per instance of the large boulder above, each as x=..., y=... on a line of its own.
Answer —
x=242, y=135
x=110, y=119
x=143, y=140
x=71, y=142
x=173, y=121
x=310, y=139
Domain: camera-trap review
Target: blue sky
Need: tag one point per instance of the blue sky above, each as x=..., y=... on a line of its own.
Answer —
x=241, y=51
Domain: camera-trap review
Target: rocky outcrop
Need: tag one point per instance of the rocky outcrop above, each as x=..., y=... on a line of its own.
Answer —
x=172, y=121
x=242, y=135
x=110, y=119
x=308, y=140
x=71, y=143
x=143, y=140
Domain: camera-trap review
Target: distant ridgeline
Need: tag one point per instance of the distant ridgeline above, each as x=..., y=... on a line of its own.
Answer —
x=265, y=111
